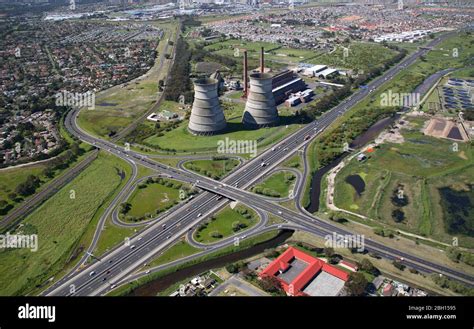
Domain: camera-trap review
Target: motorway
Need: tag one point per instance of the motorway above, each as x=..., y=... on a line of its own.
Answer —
x=120, y=263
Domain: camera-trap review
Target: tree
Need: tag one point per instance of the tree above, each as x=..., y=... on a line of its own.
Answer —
x=29, y=186
x=329, y=252
x=367, y=266
x=356, y=284
x=398, y=265
x=48, y=171
x=271, y=285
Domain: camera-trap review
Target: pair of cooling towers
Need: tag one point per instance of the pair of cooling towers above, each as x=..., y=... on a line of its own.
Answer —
x=207, y=117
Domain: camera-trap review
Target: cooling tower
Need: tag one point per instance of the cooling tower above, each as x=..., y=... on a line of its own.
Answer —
x=206, y=117
x=260, y=109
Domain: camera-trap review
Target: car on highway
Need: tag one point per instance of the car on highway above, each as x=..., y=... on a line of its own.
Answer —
x=92, y=273
x=199, y=215
x=132, y=246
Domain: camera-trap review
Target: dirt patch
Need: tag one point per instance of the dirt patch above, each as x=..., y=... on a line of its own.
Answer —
x=444, y=128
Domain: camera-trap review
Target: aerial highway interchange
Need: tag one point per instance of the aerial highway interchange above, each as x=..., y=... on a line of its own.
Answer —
x=119, y=265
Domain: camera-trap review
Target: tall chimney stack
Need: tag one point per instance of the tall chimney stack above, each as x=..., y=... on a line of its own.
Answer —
x=246, y=82
x=262, y=61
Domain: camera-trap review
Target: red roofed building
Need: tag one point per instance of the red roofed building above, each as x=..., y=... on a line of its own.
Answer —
x=301, y=274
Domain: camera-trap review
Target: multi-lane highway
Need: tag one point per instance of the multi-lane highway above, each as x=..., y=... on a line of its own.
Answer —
x=120, y=263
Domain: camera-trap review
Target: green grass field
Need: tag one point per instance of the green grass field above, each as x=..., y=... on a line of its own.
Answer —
x=215, y=169
x=222, y=224
x=11, y=178
x=294, y=162
x=177, y=251
x=145, y=202
x=361, y=56
x=60, y=223
x=279, y=184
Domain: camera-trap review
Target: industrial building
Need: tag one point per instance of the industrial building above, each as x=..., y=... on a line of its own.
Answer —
x=303, y=275
x=299, y=97
x=314, y=70
x=327, y=73
x=286, y=83
x=207, y=117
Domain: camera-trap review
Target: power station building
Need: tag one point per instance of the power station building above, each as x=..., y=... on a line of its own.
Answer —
x=207, y=117
x=286, y=83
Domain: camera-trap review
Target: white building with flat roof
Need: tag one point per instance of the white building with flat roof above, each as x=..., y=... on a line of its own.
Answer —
x=313, y=70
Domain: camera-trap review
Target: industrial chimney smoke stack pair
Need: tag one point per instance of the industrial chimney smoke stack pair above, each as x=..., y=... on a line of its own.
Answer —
x=207, y=117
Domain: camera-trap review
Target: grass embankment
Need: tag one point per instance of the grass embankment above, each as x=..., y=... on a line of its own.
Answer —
x=60, y=223
x=277, y=185
x=179, y=250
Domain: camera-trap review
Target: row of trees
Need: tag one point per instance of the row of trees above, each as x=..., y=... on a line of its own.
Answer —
x=326, y=102
x=178, y=82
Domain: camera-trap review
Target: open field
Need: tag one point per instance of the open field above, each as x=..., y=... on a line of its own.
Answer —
x=216, y=169
x=226, y=223
x=294, y=162
x=150, y=198
x=361, y=56
x=60, y=223
x=273, y=52
x=278, y=184
x=11, y=178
